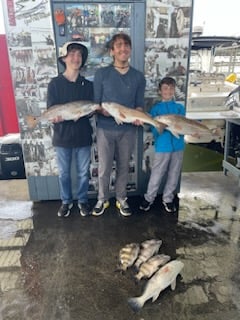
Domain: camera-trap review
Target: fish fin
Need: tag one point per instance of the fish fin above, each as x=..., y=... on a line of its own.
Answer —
x=78, y=116
x=173, y=285
x=216, y=131
x=196, y=135
x=154, y=298
x=122, y=115
x=173, y=132
x=137, y=277
x=31, y=121
x=136, y=303
x=160, y=127
x=118, y=120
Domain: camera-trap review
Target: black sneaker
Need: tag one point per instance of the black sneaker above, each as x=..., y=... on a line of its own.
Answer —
x=123, y=207
x=145, y=205
x=65, y=210
x=100, y=207
x=169, y=207
x=84, y=209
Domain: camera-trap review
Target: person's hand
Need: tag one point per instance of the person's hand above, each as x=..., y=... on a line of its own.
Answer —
x=57, y=119
x=138, y=122
x=104, y=112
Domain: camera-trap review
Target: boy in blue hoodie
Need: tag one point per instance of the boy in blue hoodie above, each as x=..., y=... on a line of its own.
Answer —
x=168, y=156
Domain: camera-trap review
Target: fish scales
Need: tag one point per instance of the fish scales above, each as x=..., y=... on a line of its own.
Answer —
x=68, y=111
x=128, y=255
x=164, y=277
x=148, y=268
x=148, y=249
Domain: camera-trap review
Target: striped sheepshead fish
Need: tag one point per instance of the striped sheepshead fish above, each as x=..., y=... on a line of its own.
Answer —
x=148, y=268
x=128, y=255
x=148, y=249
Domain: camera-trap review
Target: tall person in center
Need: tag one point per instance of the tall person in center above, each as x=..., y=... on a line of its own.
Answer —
x=123, y=84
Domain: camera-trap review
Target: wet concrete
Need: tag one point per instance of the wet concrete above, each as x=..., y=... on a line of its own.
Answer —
x=65, y=269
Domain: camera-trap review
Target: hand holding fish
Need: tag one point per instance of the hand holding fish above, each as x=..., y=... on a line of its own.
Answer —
x=104, y=112
x=57, y=119
x=123, y=114
x=67, y=111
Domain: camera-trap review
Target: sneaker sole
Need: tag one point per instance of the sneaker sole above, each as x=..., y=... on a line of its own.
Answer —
x=105, y=206
x=67, y=214
x=169, y=211
x=144, y=209
x=122, y=213
x=84, y=214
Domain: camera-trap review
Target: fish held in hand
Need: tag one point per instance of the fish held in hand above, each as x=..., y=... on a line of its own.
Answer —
x=67, y=111
x=180, y=125
x=122, y=114
x=148, y=249
x=148, y=268
x=128, y=255
x=164, y=277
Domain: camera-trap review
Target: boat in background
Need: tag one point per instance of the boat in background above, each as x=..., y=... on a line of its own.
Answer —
x=213, y=89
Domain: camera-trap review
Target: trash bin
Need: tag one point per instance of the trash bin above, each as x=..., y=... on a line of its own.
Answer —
x=11, y=158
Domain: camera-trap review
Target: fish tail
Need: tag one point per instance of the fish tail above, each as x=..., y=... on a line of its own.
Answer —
x=31, y=121
x=136, y=303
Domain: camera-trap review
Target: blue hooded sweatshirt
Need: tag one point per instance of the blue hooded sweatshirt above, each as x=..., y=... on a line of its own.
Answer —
x=166, y=141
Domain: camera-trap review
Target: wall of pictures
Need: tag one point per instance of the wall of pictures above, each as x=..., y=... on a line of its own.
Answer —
x=168, y=26
x=36, y=29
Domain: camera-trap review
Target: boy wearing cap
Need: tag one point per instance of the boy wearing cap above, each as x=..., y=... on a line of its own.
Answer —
x=123, y=84
x=72, y=138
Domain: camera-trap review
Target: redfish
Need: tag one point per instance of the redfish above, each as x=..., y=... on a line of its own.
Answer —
x=67, y=111
x=164, y=277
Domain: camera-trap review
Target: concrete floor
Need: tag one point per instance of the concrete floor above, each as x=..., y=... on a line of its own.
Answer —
x=65, y=269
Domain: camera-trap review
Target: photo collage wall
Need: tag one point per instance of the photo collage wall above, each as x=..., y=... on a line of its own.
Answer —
x=36, y=29
x=168, y=25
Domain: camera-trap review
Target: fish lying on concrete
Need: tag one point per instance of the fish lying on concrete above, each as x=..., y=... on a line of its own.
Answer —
x=122, y=114
x=148, y=249
x=180, y=125
x=148, y=268
x=163, y=278
x=128, y=255
x=67, y=111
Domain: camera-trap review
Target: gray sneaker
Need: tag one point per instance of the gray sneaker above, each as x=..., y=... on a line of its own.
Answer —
x=84, y=209
x=65, y=210
x=100, y=207
x=123, y=207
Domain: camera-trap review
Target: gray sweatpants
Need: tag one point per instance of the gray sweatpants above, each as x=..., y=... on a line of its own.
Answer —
x=169, y=165
x=118, y=145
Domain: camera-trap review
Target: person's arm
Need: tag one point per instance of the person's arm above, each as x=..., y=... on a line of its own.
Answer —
x=140, y=98
x=139, y=103
x=98, y=91
x=52, y=94
x=52, y=99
